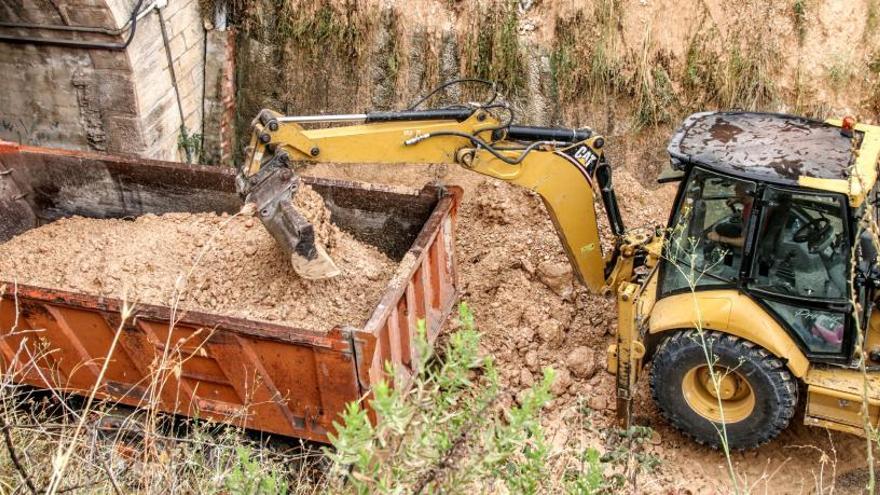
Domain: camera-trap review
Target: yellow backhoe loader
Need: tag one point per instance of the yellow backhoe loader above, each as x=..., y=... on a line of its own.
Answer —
x=749, y=301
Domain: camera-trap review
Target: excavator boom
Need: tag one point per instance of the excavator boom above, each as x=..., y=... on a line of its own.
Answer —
x=564, y=166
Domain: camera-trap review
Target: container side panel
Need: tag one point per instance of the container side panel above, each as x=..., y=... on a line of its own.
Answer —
x=206, y=371
x=427, y=295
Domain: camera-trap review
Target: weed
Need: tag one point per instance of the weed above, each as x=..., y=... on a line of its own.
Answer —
x=589, y=477
x=873, y=98
x=653, y=87
x=490, y=48
x=446, y=432
x=618, y=468
x=799, y=16
x=320, y=27
x=872, y=16
x=805, y=100
x=587, y=61
x=702, y=69
x=190, y=144
x=840, y=72
x=247, y=476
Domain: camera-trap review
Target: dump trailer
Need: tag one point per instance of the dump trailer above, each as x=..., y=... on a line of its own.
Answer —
x=255, y=374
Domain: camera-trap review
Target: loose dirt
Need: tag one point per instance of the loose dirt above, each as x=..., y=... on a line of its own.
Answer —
x=206, y=262
x=532, y=313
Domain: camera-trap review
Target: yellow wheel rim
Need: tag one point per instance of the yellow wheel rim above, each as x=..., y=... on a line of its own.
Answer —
x=737, y=398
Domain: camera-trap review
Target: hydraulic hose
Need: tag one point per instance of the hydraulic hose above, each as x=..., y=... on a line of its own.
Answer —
x=135, y=14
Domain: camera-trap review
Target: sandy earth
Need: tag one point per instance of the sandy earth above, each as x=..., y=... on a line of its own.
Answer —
x=517, y=280
x=206, y=262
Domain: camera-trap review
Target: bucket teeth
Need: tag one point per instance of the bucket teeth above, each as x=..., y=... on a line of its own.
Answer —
x=272, y=192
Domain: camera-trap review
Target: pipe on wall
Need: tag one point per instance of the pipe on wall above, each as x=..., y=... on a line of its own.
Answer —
x=136, y=14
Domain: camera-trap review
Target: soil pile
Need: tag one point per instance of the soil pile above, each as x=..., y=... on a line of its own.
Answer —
x=205, y=262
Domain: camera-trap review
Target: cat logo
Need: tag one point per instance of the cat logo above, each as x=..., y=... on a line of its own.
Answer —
x=585, y=156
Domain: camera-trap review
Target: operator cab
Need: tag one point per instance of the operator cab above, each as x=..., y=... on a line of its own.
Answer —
x=768, y=206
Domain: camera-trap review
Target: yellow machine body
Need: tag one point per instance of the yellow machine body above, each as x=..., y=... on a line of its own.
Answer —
x=835, y=395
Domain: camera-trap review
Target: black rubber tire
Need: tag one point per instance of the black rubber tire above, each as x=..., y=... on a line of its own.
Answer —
x=774, y=387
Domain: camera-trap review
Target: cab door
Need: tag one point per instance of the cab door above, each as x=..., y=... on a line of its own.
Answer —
x=800, y=269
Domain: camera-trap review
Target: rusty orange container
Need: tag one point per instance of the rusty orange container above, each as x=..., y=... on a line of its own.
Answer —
x=275, y=378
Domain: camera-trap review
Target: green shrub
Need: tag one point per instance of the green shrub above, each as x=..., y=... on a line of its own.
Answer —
x=447, y=431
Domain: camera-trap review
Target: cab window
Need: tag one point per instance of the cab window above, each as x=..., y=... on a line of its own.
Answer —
x=802, y=248
x=705, y=243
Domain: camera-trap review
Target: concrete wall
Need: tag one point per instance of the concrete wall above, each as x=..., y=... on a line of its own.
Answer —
x=99, y=99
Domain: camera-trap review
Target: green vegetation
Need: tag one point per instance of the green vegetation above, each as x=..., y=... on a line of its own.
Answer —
x=319, y=26
x=490, y=47
x=446, y=431
x=586, y=61
x=191, y=145
x=618, y=468
x=840, y=72
x=248, y=477
x=590, y=62
x=799, y=16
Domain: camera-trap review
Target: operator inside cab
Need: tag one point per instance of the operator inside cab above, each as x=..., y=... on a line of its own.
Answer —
x=732, y=230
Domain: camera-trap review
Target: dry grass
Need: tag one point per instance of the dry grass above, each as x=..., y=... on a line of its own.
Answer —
x=489, y=46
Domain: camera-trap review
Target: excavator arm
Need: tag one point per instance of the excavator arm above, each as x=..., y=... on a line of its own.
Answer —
x=564, y=166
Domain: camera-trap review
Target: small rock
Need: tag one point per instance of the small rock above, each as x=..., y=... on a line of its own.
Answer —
x=531, y=360
x=655, y=438
x=248, y=210
x=522, y=336
x=249, y=223
x=250, y=250
x=526, y=379
x=527, y=266
x=561, y=382
x=557, y=277
x=582, y=362
x=551, y=332
x=597, y=402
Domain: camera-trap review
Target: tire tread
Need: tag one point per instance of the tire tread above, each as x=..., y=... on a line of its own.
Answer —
x=781, y=379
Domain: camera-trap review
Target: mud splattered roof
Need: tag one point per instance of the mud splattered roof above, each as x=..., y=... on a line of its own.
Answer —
x=769, y=147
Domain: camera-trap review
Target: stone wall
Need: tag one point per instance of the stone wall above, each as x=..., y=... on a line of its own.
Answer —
x=102, y=99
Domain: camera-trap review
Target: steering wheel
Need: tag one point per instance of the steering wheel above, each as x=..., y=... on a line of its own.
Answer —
x=815, y=233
